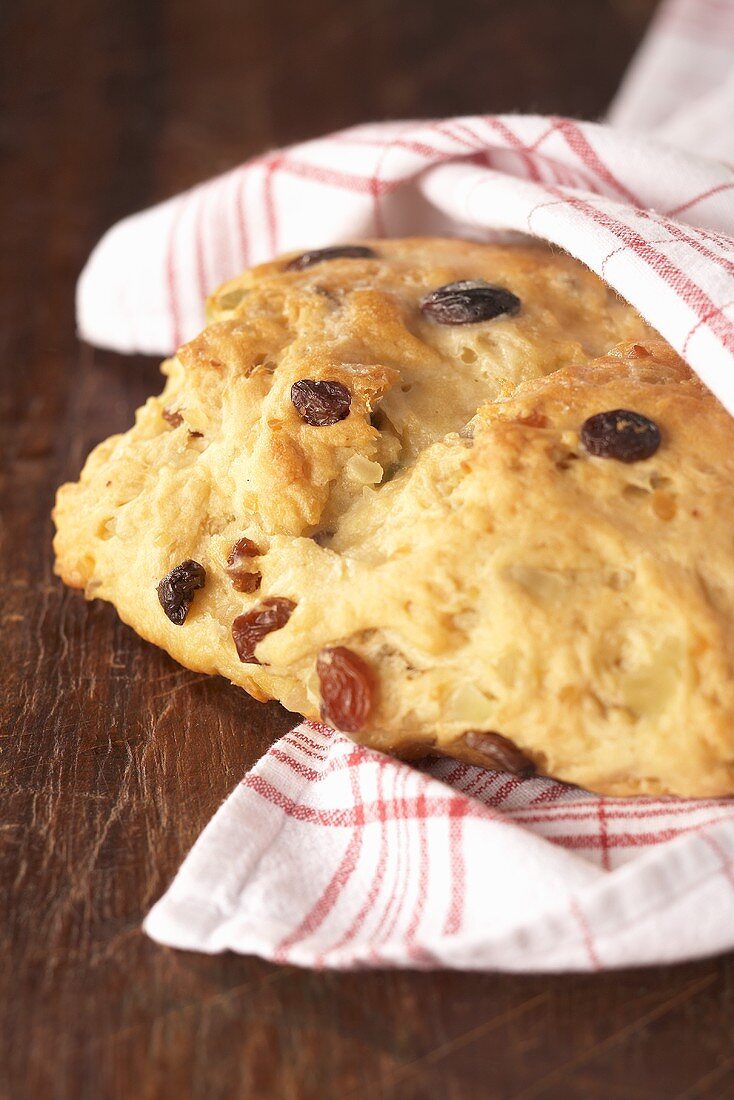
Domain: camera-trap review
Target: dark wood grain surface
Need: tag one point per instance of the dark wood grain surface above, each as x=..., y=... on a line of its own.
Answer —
x=113, y=758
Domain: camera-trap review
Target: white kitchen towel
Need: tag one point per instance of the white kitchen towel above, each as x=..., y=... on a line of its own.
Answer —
x=329, y=854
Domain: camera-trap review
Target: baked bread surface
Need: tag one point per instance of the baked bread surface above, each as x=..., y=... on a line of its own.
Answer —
x=508, y=596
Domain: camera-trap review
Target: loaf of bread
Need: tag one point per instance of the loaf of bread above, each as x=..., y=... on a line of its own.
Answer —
x=447, y=497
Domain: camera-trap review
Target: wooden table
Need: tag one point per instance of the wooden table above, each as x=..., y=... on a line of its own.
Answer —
x=113, y=757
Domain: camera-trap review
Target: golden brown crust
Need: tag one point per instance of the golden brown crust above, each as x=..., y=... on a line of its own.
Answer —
x=451, y=530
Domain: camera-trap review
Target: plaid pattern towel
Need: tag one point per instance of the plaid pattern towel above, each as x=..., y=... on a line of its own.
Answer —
x=329, y=854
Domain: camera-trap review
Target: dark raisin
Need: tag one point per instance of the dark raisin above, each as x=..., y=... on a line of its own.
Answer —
x=501, y=753
x=246, y=582
x=321, y=404
x=337, y=252
x=251, y=628
x=173, y=417
x=347, y=688
x=244, y=548
x=243, y=579
x=469, y=301
x=621, y=434
x=176, y=590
